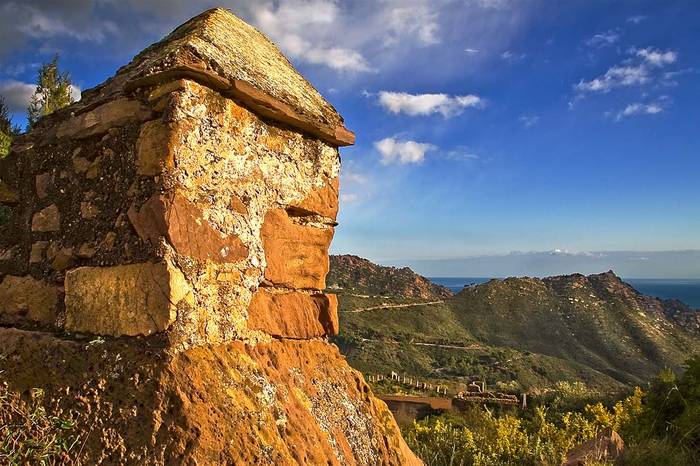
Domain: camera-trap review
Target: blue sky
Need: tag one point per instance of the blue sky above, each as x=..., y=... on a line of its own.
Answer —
x=483, y=126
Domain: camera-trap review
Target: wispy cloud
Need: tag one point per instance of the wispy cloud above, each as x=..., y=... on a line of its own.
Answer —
x=417, y=20
x=349, y=198
x=428, y=104
x=603, y=39
x=355, y=185
x=512, y=57
x=617, y=76
x=529, y=121
x=459, y=154
x=287, y=22
x=636, y=19
x=656, y=57
x=638, y=108
x=471, y=51
x=402, y=151
x=629, y=73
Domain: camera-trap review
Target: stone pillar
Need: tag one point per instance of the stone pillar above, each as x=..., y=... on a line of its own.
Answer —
x=182, y=211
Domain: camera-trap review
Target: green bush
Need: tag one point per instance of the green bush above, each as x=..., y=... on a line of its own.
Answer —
x=661, y=427
x=543, y=437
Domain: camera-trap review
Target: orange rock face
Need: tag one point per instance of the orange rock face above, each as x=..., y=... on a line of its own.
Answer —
x=25, y=298
x=296, y=255
x=294, y=314
x=323, y=201
x=162, y=271
x=284, y=403
x=154, y=151
x=182, y=223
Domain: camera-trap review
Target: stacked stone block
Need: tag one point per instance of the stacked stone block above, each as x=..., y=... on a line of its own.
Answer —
x=172, y=208
x=163, y=263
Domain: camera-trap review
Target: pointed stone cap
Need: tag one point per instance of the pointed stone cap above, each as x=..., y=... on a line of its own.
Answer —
x=221, y=51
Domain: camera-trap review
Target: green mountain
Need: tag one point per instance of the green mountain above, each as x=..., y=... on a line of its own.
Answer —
x=356, y=275
x=598, y=321
x=517, y=333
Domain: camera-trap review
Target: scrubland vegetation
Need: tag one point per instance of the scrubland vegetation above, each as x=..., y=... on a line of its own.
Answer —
x=660, y=426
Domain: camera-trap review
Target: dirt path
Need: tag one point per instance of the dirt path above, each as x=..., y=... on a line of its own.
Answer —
x=434, y=345
x=394, y=306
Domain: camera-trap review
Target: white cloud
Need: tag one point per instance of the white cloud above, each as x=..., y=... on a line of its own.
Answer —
x=471, y=51
x=529, y=121
x=349, y=176
x=349, y=198
x=629, y=73
x=656, y=57
x=337, y=58
x=617, y=76
x=460, y=154
x=603, y=38
x=41, y=26
x=290, y=23
x=17, y=94
x=46, y=21
x=512, y=57
x=75, y=92
x=417, y=20
x=355, y=185
x=493, y=4
x=636, y=19
x=639, y=109
x=428, y=104
x=403, y=152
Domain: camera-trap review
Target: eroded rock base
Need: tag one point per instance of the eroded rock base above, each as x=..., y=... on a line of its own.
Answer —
x=285, y=402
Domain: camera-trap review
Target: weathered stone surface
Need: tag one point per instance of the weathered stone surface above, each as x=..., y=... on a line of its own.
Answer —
x=95, y=169
x=607, y=446
x=108, y=241
x=322, y=201
x=243, y=63
x=154, y=150
x=238, y=206
x=283, y=403
x=47, y=219
x=7, y=195
x=136, y=299
x=61, y=258
x=249, y=135
x=296, y=255
x=294, y=314
x=99, y=120
x=182, y=223
x=26, y=298
x=43, y=183
x=37, y=252
x=80, y=164
x=88, y=210
x=86, y=251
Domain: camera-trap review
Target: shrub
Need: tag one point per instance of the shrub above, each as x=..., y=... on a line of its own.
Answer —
x=542, y=438
x=30, y=435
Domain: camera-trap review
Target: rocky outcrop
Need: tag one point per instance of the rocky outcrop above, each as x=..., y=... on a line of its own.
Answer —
x=162, y=272
x=607, y=446
x=358, y=275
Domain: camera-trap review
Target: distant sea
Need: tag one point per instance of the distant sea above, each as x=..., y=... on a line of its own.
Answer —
x=685, y=290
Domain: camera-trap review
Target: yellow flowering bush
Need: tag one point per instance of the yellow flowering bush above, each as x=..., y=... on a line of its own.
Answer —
x=542, y=437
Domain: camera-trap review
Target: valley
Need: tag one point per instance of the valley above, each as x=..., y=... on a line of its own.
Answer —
x=518, y=335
